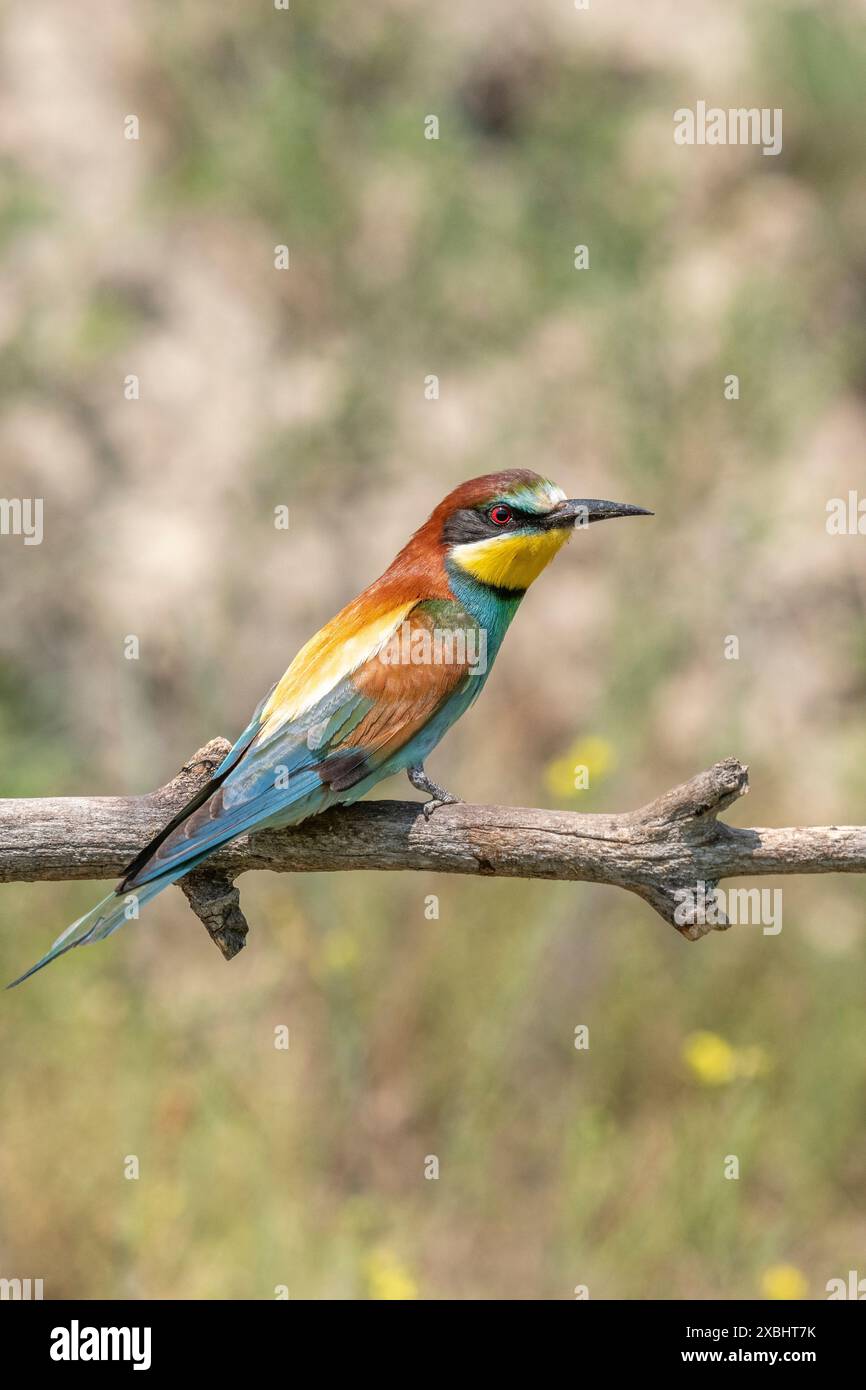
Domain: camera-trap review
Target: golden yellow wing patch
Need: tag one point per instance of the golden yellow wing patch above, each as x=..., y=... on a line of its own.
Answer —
x=334, y=653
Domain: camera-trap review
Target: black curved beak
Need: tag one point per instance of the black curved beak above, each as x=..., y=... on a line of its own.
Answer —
x=580, y=511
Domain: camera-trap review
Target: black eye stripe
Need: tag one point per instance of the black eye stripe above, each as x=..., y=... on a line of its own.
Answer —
x=474, y=524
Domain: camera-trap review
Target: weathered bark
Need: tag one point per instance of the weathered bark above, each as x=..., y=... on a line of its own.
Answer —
x=667, y=846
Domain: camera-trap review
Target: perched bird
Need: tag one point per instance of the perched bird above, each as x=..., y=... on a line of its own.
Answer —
x=376, y=689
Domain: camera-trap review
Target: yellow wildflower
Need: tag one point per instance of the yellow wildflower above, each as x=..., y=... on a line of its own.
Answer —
x=387, y=1278
x=339, y=951
x=716, y=1063
x=710, y=1058
x=586, y=762
x=784, y=1282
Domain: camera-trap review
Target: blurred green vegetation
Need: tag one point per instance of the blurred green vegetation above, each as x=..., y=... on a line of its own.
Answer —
x=451, y=1037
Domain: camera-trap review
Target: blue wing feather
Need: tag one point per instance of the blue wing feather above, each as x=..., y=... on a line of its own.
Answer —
x=281, y=774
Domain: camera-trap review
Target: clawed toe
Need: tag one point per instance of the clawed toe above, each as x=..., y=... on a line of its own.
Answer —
x=428, y=807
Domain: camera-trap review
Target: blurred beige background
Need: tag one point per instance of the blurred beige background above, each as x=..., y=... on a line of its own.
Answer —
x=258, y=387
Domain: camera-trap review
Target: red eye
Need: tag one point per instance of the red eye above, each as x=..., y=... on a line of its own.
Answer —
x=500, y=515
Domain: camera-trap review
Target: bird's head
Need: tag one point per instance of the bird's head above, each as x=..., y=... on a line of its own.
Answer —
x=502, y=529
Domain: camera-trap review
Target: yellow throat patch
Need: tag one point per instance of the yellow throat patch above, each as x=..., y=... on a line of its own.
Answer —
x=510, y=562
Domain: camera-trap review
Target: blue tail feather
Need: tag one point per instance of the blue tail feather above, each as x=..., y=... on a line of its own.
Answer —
x=97, y=924
x=62, y=944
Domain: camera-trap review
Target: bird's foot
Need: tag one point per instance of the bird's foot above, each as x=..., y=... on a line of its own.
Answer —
x=438, y=795
x=428, y=807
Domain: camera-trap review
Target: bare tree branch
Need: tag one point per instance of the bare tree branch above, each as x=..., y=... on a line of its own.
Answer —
x=657, y=852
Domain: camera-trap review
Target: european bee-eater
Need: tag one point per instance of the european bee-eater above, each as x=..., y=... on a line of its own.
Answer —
x=376, y=689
